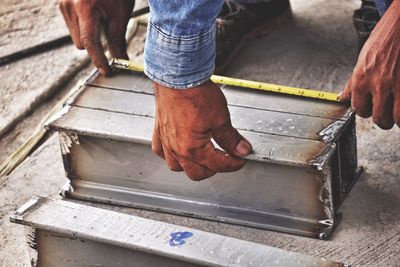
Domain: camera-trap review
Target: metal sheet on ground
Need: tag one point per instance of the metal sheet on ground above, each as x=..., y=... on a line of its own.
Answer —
x=135, y=235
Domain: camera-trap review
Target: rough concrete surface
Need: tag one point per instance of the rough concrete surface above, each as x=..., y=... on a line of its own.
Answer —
x=21, y=89
x=24, y=85
x=27, y=23
x=317, y=49
x=22, y=25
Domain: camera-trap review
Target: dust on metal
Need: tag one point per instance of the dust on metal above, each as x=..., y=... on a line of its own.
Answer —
x=66, y=236
x=294, y=181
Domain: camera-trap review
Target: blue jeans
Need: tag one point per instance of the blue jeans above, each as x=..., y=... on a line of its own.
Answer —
x=180, y=45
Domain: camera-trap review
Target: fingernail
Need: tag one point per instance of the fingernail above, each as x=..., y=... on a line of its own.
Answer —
x=243, y=148
x=339, y=95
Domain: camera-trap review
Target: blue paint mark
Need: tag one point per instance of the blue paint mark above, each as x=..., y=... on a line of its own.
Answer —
x=179, y=238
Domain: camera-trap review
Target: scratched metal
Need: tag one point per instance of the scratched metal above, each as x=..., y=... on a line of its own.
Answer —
x=148, y=183
x=303, y=166
x=66, y=236
x=137, y=82
x=244, y=118
x=138, y=129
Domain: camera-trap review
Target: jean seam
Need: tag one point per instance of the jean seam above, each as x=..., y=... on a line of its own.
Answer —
x=182, y=86
x=205, y=36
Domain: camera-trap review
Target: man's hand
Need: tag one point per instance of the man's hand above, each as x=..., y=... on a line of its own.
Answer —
x=374, y=88
x=85, y=20
x=186, y=120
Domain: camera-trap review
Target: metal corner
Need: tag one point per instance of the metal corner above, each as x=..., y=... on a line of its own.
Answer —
x=322, y=159
x=49, y=124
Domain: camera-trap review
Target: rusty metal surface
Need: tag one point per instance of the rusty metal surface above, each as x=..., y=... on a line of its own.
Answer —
x=303, y=166
x=66, y=236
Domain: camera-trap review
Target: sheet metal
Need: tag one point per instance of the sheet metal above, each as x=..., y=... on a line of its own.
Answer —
x=138, y=82
x=244, y=118
x=303, y=166
x=66, y=236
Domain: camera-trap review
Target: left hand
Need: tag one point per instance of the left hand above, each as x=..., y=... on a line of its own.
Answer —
x=86, y=19
x=374, y=87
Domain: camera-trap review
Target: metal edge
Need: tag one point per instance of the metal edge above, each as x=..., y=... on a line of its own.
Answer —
x=323, y=229
x=323, y=158
x=25, y=209
x=184, y=252
x=48, y=124
x=75, y=95
x=334, y=131
x=319, y=160
x=359, y=172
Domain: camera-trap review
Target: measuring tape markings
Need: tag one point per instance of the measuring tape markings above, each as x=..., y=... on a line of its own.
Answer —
x=268, y=87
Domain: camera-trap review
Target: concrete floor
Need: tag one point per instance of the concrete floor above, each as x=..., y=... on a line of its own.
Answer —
x=317, y=49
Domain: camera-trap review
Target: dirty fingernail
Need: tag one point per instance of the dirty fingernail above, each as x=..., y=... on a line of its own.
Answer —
x=243, y=148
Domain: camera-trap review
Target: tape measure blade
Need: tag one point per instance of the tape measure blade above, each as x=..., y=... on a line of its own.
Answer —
x=268, y=87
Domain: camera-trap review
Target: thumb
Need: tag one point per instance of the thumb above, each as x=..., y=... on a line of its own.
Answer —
x=229, y=139
x=345, y=94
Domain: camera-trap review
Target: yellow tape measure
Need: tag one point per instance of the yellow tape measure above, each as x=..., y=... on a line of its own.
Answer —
x=269, y=87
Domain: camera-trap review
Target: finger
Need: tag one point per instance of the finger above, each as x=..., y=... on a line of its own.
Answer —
x=72, y=21
x=345, y=94
x=172, y=163
x=361, y=103
x=156, y=144
x=218, y=160
x=116, y=30
x=229, y=139
x=90, y=38
x=382, y=113
x=163, y=152
x=195, y=171
x=396, y=108
x=115, y=35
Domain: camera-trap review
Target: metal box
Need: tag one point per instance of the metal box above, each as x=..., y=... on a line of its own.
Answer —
x=303, y=166
x=65, y=236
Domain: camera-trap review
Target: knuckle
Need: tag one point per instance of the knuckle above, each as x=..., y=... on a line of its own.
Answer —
x=88, y=42
x=189, y=153
x=229, y=138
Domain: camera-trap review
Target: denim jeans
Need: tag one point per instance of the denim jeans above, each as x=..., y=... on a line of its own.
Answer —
x=180, y=45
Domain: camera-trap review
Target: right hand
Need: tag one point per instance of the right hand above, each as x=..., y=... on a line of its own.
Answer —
x=186, y=120
x=85, y=18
